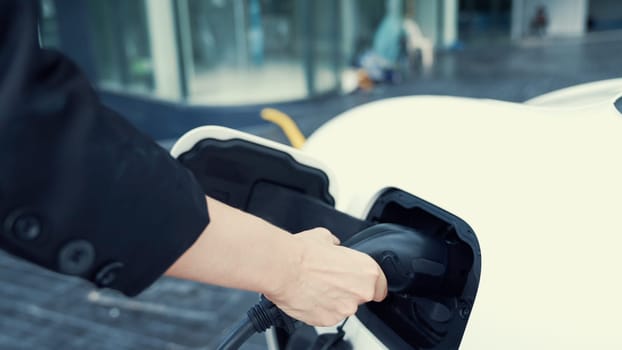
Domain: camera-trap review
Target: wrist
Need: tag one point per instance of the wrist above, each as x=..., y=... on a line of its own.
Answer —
x=290, y=256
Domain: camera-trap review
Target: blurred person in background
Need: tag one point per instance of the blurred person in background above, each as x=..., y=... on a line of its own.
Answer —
x=539, y=22
x=418, y=47
x=83, y=193
x=398, y=39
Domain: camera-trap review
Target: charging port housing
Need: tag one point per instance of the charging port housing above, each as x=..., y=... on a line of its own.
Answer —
x=438, y=320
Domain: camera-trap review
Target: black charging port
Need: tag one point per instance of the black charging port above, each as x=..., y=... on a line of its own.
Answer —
x=437, y=318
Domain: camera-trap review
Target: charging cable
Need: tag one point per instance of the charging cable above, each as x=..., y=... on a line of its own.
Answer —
x=258, y=319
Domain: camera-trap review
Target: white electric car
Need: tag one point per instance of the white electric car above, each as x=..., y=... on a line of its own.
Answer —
x=539, y=184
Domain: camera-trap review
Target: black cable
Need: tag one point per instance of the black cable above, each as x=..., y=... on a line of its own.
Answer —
x=237, y=335
x=259, y=318
x=331, y=338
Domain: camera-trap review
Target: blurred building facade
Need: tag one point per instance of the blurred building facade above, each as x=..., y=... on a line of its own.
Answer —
x=249, y=52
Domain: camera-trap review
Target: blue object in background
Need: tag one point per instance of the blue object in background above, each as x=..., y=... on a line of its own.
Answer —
x=255, y=33
x=387, y=40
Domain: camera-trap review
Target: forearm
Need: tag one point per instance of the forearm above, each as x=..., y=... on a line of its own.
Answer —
x=307, y=275
x=241, y=251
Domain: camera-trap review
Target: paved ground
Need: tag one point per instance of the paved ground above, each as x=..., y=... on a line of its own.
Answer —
x=42, y=310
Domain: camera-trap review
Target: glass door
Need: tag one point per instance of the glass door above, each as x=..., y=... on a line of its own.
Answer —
x=259, y=51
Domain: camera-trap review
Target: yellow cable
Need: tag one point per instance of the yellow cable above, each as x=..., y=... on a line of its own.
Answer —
x=287, y=125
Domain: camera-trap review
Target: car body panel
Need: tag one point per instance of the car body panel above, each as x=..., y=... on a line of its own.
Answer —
x=541, y=184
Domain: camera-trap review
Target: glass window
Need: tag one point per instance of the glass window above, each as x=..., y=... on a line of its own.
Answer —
x=121, y=45
x=325, y=42
x=216, y=52
x=257, y=51
x=48, y=26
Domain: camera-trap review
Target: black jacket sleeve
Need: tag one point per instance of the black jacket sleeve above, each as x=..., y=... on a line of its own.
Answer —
x=81, y=191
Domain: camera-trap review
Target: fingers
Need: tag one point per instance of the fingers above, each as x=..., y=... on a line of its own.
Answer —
x=336, y=280
x=381, y=287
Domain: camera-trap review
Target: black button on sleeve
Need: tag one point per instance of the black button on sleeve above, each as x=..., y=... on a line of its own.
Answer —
x=76, y=257
x=23, y=225
x=108, y=274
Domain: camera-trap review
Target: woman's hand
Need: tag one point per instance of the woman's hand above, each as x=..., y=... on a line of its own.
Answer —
x=308, y=275
x=328, y=282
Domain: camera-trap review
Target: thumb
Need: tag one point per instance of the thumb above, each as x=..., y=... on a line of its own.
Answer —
x=329, y=237
x=320, y=234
